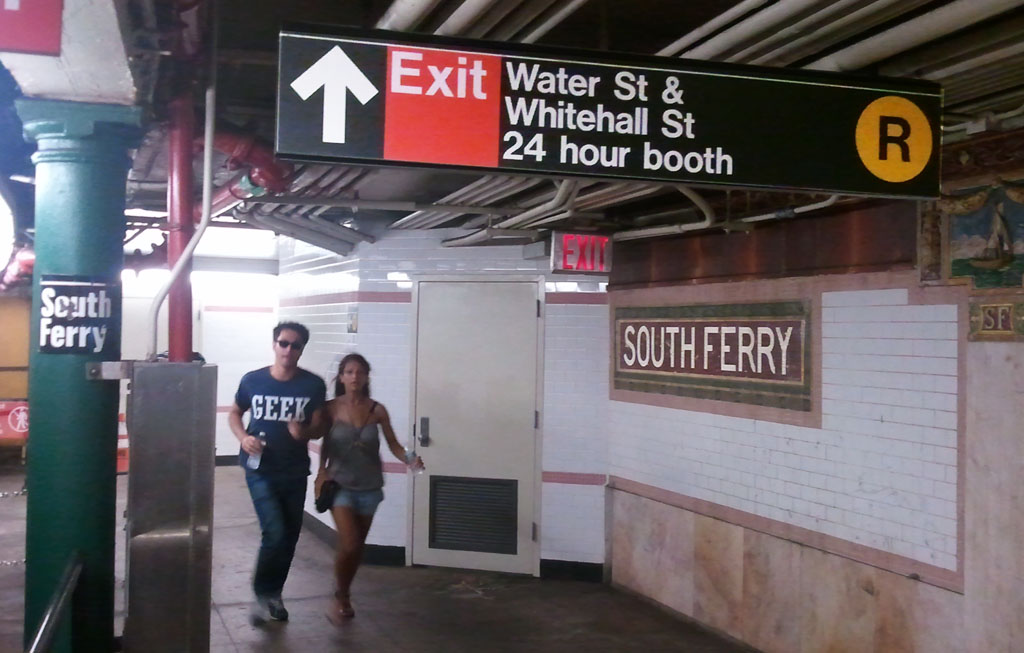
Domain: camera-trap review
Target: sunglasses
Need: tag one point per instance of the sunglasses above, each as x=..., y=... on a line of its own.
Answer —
x=286, y=344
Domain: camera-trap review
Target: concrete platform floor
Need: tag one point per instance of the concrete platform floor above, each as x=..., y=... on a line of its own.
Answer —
x=399, y=609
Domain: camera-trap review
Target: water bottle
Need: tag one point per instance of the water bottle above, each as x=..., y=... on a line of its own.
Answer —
x=253, y=462
x=410, y=459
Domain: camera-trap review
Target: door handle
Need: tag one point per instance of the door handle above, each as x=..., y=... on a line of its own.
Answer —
x=424, y=432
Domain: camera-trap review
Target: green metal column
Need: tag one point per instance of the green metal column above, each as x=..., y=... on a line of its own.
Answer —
x=81, y=168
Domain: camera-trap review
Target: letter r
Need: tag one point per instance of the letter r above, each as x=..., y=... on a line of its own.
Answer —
x=899, y=140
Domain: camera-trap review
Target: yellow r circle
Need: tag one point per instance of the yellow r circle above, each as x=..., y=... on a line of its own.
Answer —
x=894, y=139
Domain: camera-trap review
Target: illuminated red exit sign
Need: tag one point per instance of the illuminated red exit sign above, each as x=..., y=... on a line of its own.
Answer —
x=581, y=253
x=30, y=26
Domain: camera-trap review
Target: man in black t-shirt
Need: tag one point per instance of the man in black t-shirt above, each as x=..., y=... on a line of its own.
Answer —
x=280, y=399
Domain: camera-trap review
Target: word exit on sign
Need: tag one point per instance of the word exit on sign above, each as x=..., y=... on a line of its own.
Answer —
x=581, y=253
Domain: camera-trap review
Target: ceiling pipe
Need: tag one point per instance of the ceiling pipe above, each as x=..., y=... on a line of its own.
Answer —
x=975, y=126
x=563, y=200
x=549, y=23
x=379, y=205
x=816, y=26
x=710, y=27
x=340, y=247
x=940, y=22
x=489, y=195
x=484, y=190
x=347, y=183
x=412, y=219
x=765, y=20
x=960, y=54
x=673, y=229
x=817, y=37
x=405, y=15
x=521, y=18
x=351, y=234
x=482, y=27
x=490, y=236
x=788, y=213
x=596, y=199
x=325, y=228
x=466, y=14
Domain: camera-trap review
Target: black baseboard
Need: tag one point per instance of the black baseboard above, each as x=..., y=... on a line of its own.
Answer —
x=591, y=572
x=374, y=554
x=227, y=461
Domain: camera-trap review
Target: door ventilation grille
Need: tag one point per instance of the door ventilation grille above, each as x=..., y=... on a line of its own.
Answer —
x=473, y=514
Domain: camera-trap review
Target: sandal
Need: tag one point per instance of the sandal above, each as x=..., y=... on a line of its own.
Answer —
x=341, y=609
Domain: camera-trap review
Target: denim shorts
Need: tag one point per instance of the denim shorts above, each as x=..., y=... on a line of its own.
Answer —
x=363, y=502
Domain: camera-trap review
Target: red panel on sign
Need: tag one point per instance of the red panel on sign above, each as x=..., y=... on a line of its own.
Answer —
x=442, y=107
x=31, y=26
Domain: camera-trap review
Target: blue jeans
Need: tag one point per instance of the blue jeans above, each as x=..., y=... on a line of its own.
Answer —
x=280, y=504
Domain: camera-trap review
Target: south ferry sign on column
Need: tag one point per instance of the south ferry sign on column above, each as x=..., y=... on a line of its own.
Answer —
x=372, y=97
x=78, y=315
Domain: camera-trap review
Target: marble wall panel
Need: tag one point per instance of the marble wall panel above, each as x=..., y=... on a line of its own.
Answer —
x=994, y=506
x=652, y=550
x=915, y=617
x=838, y=601
x=771, y=593
x=718, y=574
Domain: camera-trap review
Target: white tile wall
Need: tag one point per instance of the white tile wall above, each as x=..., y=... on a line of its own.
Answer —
x=576, y=366
x=572, y=523
x=575, y=388
x=882, y=469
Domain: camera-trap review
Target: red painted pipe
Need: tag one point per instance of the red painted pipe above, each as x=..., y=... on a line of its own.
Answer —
x=180, y=225
x=245, y=151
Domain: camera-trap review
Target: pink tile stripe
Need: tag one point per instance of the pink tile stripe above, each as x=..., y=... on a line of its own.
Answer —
x=239, y=309
x=574, y=478
x=594, y=298
x=349, y=298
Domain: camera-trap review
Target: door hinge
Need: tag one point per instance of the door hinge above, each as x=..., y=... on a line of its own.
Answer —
x=533, y=534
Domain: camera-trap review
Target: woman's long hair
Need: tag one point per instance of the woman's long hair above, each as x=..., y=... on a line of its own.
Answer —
x=339, y=387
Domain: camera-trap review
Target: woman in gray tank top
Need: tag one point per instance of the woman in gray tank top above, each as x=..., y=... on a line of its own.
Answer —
x=350, y=456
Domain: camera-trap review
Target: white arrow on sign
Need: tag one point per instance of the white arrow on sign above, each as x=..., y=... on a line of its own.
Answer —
x=336, y=73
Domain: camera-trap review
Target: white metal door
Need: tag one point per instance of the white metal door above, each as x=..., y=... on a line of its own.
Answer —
x=475, y=390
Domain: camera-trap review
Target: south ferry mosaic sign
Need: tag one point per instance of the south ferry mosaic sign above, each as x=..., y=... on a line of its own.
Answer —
x=371, y=97
x=747, y=353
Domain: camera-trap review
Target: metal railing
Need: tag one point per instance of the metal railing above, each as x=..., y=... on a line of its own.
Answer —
x=43, y=637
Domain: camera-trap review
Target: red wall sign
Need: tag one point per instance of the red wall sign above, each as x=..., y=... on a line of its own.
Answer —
x=30, y=26
x=581, y=253
x=13, y=421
